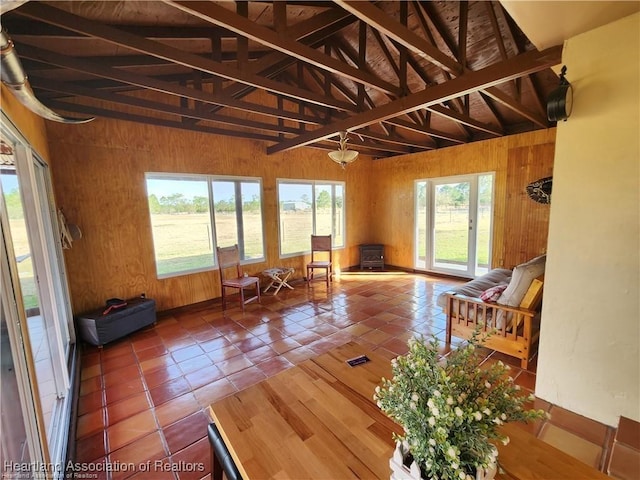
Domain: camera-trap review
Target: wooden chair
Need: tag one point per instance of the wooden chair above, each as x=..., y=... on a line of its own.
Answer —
x=320, y=244
x=231, y=275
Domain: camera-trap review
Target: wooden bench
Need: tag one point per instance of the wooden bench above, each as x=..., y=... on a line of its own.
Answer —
x=513, y=331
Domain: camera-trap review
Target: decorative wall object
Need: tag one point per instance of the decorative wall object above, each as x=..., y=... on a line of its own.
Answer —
x=540, y=190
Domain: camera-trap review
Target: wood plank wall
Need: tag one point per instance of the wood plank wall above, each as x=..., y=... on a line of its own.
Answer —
x=528, y=220
x=516, y=160
x=31, y=126
x=99, y=170
x=99, y=182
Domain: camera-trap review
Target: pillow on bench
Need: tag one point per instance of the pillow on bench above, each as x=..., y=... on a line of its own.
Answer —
x=492, y=294
x=521, y=279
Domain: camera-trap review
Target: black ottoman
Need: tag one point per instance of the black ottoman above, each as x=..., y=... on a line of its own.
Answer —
x=97, y=329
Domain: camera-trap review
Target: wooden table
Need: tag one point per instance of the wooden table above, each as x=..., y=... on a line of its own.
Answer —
x=319, y=420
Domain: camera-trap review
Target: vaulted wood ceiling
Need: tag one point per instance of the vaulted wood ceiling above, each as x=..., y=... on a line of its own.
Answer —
x=400, y=76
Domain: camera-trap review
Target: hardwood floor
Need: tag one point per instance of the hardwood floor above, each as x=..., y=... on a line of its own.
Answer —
x=143, y=400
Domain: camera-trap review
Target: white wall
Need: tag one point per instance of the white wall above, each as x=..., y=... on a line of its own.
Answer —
x=589, y=359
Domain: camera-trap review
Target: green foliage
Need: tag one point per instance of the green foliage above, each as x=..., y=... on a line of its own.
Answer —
x=154, y=204
x=451, y=408
x=14, y=204
x=323, y=200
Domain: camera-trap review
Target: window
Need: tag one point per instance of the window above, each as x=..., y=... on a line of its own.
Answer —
x=309, y=208
x=191, y=214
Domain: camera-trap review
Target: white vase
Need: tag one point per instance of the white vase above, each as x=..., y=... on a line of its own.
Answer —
x=401, y=472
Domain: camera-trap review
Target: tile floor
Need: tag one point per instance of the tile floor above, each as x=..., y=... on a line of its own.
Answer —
x=142, y=410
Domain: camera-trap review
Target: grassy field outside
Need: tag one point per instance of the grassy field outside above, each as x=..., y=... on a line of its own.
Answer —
x=22, y=252
x=183, y=242
x=451, y=231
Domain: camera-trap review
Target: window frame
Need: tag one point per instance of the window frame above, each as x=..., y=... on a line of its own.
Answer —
x=209, y=179
x=313, y=184
x=428, y=264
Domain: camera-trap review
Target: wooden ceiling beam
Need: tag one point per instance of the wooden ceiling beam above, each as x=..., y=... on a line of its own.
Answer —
x=70, y=89
x=462, y=33
x=379, y=20
x=492, y=75
x=129, y=117
x=22, y=28
x=154, y=84
x=393, y=139
x=501, y=97
x=414, y=127
x=46, y=13
x=309, y=32
x=465, y=119
x=135, y=61
x=220, y=16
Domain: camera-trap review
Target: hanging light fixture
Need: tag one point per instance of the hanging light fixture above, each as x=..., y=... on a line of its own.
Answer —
x=343, y=156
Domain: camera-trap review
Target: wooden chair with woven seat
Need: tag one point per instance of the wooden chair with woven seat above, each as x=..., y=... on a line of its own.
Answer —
x=320, y=245
x=231, y=276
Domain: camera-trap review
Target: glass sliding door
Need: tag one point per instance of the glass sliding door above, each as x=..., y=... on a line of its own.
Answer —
x=453, y=224
x=42, y=318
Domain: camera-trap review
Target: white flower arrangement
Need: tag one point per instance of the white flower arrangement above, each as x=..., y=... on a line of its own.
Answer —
x=451, y=409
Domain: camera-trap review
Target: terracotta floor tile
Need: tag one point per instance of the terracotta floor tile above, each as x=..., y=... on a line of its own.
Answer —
x=151, y=353
x=186, y=431
x=157, y=377
x=298, y=355
x=629, y=432
x=126, y=408
x=306, y=337
x=124, y=390
x=586, y=428
x=90, y=423
x=167, y=391
x=118, y=362
x=115, y=377
x=91, y=371
x=90, y=385
x=203, y=376
x=261, y=354
x=249, y=344
x=148, y=448
x=235, y=364
x=224, y=353
x=215, y=344
x=196, y=363
x=197, y=355
x=187, y=353
x=571, y=444
x=321, y=346
x=274, y=365
x=177, y=408
x=197, y=457
x=116, y=349
x=247, y=377
x=155, y=363
x=214, y=391
x=90, y=402
x=91, y=447
x=284, y=345
x=526, y=380
x=131, y=429
x=158, y=470
x=146, y=343
x=625, y=462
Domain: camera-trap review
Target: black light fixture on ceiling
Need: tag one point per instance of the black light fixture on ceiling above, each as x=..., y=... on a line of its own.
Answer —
x=560, y=101
x=343, y=156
